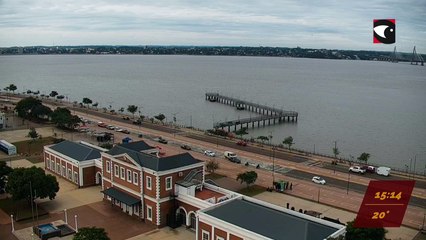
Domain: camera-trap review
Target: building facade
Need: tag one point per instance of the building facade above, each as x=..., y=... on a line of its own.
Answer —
x=77, y=162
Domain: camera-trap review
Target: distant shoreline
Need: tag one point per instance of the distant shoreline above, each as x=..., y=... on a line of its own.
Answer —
x=210, y=51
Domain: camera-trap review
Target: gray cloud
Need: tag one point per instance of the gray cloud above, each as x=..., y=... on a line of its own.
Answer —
x=317, y=24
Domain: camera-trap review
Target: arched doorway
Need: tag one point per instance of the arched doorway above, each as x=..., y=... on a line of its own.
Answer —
x=181, y=216
x=98, y=178
x=192, y=220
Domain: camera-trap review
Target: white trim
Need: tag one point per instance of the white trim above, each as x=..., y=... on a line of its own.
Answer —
x=114, y=184
x=135, y=179
x=147, y=212
x=171, y=183
x=205, y=232
x=114, y=159
x=129, y=175
x=80, y=175
x=162, y=200
x=116, y=173
x=175, y=170
x=122, y=173
x=108, y=166
x=157, y=187
x=64, y=157
x=219, y=238
x=158, y=214
x=149, y=180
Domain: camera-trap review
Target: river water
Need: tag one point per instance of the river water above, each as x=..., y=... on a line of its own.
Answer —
x=374, y=107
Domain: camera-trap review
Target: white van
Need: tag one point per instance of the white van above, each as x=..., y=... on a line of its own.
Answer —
x=384, y=171
x=230, y=155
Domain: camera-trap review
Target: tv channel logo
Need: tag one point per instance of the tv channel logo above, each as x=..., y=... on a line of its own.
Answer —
x=384, y=31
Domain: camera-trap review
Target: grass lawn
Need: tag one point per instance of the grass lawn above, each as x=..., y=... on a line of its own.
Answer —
x=33, y=147
x=214, y=176
x=21, y=210
x=252, y=190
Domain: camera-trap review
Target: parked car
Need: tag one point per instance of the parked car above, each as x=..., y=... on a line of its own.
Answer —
x=370, y=169
x=126, y=118
x=229, y=155
x=242, y=143
x=318, y=180
x=110, y=127
x=384, y=171
x=209, y=153
x=162, y=140
x=102, y=125
x=118, y=129
x=235, y=160
x=125, y=131
x=186, y=147
x=356, y=169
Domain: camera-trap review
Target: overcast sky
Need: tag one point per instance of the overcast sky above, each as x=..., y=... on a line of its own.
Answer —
x=336, y=24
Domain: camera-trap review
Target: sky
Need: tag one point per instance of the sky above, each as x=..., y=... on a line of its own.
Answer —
x=330, y=24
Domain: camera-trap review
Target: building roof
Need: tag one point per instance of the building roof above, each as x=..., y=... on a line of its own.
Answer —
x=136, y=146
x=77, y=151
x=153, y=162
x=269, y=222
x=121, y=196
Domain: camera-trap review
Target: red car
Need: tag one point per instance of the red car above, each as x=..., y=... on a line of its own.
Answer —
x=102, y=125
x=242, y=143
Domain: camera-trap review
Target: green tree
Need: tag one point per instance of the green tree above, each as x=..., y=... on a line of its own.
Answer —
x=121, y=110
x=12, y=88
x=248, y=177
x=53, y=94
x=43, y=186
x=33, y=134
x=288, y=141
x=95, y=105
x=211, y=166
x=160, y=117
x=63, y=118
x=26, y=106
x=4, y=172
x=132, y=109
x=364, y=157
x=90, y=233
x=240, y=132
x=336, y=152
x=353, y=233
x=87, y=101
x=263, y=139
x=41, y=112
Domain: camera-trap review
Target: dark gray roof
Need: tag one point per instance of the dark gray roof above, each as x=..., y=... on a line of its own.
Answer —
x=121, y=196
x=153, y=162
x=137, y=146
x=269, y=222
x=77, y=151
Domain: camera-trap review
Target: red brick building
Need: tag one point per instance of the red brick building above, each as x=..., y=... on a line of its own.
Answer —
x=77, y=162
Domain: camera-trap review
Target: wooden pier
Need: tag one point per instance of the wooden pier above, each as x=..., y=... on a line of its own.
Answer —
x=270, y=115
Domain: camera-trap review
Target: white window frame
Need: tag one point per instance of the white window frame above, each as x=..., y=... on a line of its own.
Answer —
x=135, y=178
x=116, y=170
x=75, y=177
x=219, y=238
x=148, y=211
x=122, y=173
x=108, y=166
x=129, y=176
x=169, y=188
x=48, y=164
x=53, y=165
x=205, y=232
x=69, y=174
x=58, y=168
x=64, y=171
x=148, y=183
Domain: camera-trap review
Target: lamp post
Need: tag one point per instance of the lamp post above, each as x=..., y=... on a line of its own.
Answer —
x=347, y=186
x=13, y=224
x=66, y=216
x=76, y=224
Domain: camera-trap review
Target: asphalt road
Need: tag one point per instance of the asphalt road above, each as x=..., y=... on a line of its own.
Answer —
x=257, y=150
x=414, y=201
x=345, y=169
